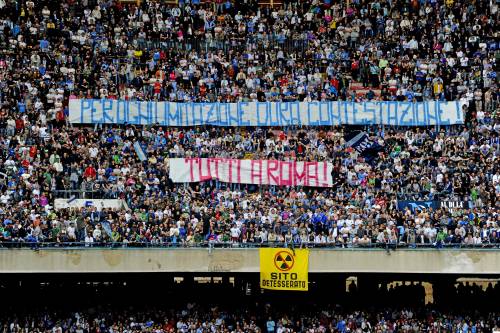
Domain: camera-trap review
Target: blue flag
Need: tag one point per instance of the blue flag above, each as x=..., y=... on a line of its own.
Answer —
x=139, y=151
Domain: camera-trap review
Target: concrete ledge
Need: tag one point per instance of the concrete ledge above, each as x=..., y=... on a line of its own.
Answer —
x=197, y=260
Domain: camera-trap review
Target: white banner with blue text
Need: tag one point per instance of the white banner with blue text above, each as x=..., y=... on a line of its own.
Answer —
x=329, y=113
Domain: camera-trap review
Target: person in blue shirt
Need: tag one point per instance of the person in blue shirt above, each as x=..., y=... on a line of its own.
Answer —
x=341, y=326
x=333, y=91
x=410, y=95
x=16, y=30
x=44, y=45
x=156, y=56
x=209, y=25
x=251, y=25
x=319, y=217
x=21, y=106
x=270, y=325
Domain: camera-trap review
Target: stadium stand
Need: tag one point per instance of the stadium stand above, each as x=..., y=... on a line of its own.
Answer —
x=226, y=51
x=139, y=307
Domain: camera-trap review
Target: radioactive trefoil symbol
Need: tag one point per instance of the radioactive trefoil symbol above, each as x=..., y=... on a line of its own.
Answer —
x=284, y=261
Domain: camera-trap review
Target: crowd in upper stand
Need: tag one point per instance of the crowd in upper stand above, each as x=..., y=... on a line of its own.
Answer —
x=229, y=51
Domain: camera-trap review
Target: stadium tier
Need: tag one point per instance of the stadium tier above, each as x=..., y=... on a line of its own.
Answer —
x=311, y=123
x=318, y=123
x=131, y=303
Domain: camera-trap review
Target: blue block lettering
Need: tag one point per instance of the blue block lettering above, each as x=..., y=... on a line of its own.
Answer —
x=242, y=121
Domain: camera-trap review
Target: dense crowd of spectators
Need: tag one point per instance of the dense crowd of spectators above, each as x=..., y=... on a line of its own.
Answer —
x=448, y=164
x=229, y=51
x=237, y=51
x=195, y=318
x=379, y=307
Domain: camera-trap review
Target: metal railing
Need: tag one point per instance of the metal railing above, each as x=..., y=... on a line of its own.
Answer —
x=210, y=244
x=87, y=194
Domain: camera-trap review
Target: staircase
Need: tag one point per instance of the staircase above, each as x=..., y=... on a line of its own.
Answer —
x=128, y=2
x=360, y=90
x=271, y=3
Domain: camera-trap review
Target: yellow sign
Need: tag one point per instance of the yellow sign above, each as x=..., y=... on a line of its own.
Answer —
x=284, y=269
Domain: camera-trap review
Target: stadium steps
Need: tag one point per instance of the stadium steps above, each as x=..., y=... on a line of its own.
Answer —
x=271, y=3
x=136, y=2
x=361, y=90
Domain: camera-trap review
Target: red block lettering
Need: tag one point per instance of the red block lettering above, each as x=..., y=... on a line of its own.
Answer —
x=190, y=161
x=325, y=175
x=256, y=173
x=230, y=170
x=216, y=162
x=272, y=166
x=312, y=175
x=238, y=171
x=286, y=176
x=299, y=178
x=204, y=167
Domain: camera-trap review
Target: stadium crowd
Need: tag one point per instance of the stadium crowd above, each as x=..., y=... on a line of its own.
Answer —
x=113, y=306
x=231, y=51
x=193, y=319
x=198, y=318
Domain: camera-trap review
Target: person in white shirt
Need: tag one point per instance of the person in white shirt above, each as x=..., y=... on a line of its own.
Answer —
x=477, y=239
x=235, y=233
x=89, y=240
x=96, y=234
x=71, y=230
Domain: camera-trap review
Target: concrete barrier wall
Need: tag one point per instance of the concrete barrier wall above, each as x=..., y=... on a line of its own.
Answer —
x=245, y=260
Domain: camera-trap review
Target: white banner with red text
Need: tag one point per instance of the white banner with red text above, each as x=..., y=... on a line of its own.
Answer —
x=258, y=172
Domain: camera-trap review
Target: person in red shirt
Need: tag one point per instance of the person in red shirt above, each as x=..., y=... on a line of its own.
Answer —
x=335, y=82
x=157, y=88
x=203, y=90
x=283, y=81
x=81, y=138
x=33, y=151
x=19, y=124
x=60, y=116
x=90, y=172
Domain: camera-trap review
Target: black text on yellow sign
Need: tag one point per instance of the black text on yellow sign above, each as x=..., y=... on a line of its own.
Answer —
x=284, y=269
